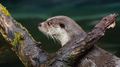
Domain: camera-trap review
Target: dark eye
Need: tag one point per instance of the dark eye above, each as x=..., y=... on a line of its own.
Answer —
x=49, y=23
x=62, y=25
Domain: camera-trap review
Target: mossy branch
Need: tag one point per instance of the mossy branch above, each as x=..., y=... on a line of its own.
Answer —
x=21, y=41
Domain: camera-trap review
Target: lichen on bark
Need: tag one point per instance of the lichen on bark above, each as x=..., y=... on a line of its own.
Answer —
x=18, y=39
x=4, y=10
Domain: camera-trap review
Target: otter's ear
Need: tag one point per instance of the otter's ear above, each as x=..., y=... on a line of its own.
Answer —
x=62, y=25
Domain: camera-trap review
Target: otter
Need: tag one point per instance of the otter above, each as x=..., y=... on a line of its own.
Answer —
x=61, y=28
x=65, y=30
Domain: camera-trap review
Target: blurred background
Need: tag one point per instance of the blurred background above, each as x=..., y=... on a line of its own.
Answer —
x=86, y=13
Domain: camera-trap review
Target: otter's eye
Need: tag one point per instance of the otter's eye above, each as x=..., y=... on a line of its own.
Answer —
x=62, y=25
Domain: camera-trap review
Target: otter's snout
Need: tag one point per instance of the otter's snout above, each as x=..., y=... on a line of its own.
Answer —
x=39, y=24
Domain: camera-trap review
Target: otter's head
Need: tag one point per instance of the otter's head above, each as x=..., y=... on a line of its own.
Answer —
x=62, y=28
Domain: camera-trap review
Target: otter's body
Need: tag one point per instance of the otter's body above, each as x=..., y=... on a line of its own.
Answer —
x=65, y=30
x=98, y=57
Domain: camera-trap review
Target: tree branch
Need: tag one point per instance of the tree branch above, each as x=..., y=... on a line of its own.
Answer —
x=21, y=41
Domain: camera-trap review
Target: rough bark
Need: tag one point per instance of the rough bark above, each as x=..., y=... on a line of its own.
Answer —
x=26, y=48
x=21, y=41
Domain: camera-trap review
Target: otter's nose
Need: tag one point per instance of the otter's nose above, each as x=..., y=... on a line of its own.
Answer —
x=40, y=24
